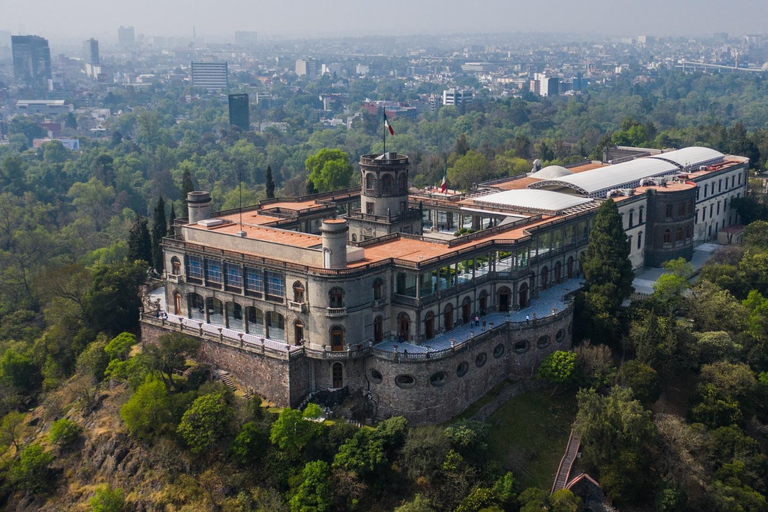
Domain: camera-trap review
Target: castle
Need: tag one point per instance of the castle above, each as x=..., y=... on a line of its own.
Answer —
x=369, y=290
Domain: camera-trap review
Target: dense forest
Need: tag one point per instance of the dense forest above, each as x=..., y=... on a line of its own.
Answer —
x=671, y=404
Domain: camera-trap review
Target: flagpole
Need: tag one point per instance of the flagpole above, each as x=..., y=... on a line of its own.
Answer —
x=384, y=129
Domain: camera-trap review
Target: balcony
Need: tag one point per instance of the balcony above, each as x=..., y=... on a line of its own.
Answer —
x=378, y=303
x=301, y=307
x=175, y=278
x=336, y=312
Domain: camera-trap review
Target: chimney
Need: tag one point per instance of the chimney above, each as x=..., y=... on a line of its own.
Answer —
x=198, y=206
x=334, y=243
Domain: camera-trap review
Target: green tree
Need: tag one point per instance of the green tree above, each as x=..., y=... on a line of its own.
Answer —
x=608, y=274
x=643, y=380
x=119, y=347
x=113, y=303
x=12, y=428
x=293, y=429
x=107, y=499
x=559, y=368
x=419, y=503
x=363, y=454
x=170, y=355
x=64, y=432
x=187, y=185
x=205, y=422
x=171, y=218
x=148, y=410
x=270, y=183
x=314, y=493
x=329, y=169
x=139, y=241
x=19, y=371
x=468, y=169
x=32, y=470
x=159, y=231
x=250, y=444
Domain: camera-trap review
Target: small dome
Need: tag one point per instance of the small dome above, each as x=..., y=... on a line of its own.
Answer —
x=765, y=66
x=551, y=172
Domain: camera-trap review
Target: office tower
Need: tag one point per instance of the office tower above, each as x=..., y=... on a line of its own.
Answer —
x=457, y=97
x=126, y=36
x=91, y=52
x=210, y=75
x=307, y=67
x=31, y=60
x=239, y=114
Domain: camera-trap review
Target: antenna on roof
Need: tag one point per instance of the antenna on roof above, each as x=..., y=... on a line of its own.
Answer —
x=240, y=233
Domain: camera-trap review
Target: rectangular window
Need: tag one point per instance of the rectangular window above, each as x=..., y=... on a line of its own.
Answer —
x=254, y=280
x=669, y=211
x=720, y=186
x=213, y=271
x=631, y=218
x=275, y=283
x=718, y=207
x=369, y=208
x=697, y=216
x=639, y=239
x=234, y=275
x=711, y=210
x=705, y=190
x=681, y=210
x=195, y=267
x=640, y=218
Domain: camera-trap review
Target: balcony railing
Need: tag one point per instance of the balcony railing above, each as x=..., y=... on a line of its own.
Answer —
x=378, y=303
x=301, y=307
x=335, y=312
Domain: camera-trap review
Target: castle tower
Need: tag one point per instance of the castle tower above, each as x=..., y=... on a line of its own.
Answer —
x=384, y=205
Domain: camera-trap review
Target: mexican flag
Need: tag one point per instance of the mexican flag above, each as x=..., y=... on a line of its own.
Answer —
x=444, y=184
x=386, y=123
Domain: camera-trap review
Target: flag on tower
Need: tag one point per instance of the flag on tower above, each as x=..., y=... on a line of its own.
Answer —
x=387, y=125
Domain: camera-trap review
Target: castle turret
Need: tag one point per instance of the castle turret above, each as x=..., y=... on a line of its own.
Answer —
x=198, y=206
x=385, y=184
x=334, y=243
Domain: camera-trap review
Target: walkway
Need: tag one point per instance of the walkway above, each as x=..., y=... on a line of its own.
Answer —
x=647, y=277
x=541, y=307
x=566, y=463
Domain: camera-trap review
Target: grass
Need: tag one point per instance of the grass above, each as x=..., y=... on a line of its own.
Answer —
x=528, y=435
x=487, y=398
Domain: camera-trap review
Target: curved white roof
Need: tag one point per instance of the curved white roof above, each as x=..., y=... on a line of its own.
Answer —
x=597, y=182
x=550, y=172
x=544, y=200
x=691, y=157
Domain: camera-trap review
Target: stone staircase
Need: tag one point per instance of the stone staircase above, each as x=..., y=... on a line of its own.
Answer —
x=566, y=463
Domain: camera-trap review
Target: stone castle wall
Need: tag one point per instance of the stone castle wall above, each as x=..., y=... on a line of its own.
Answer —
x=422, y=390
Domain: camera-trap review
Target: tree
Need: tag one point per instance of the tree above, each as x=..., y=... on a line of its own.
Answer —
x=159, y=231
x=643, y=380
x=468, y=169
x=462, y=146
x=329, y=169
x=250, y=444
x=19, y=371
x=608, y=274
x=363, y=454
x=64, y=432
x=12, y=428
x=293, y=429
x=559, y=368
x=170, y=355
x=674, y=281
x=107, y=499
x=205, y=422
x=171, y=218
x=139, y=242
x=424, y=451
x=147, y=411
x=113, y=305
x=270, y=183
x=31, y=471
x=314, y=493
x=120, y=346
x=187, y=185
x=419, y=503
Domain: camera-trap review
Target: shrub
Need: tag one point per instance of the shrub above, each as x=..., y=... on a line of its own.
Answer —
x=107, y=499
x=64, y=432
x=31, y=471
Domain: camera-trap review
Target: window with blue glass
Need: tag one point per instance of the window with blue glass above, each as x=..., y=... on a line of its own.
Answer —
x=213, y=271
x=233, y=275
x=254, y=280
x=275, y=283
x=195, y=267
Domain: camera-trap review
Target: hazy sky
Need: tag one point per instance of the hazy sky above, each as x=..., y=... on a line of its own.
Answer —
x=308, y=18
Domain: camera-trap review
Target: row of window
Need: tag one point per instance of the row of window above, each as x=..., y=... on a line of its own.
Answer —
x=681, y=209
x=712, y=191
x=712, y=209
x=387, y=183
x=257, y=281
x=678, y=235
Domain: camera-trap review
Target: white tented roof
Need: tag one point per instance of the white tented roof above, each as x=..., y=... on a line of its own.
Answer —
x=550, y=172
x=529, y=199
x=691, y=157
x=597, y=182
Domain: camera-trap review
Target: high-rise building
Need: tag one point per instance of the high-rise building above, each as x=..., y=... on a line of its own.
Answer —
x=245, y=38
x=210, y=75
x=239, y=114
x=126, y=36
x=31, y=60
x=457, y=97
x=91, y=52
x=307, y=67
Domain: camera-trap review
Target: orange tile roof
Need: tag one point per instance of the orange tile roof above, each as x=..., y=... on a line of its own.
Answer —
x=249, y=217
x=291, y=205
x=279, y=236
x=586, y=167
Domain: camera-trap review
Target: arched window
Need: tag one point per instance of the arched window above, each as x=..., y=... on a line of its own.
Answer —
x=175, y=266
x=403, y=326
x=337, y=338
x=298, y=292
x=378, y=329
x=196, y=307
x=337, y=375
x=369, y=181
x=466, y=310
x=298, y=332
x=558, y=272
x=504, y=295
x=448, y=317
x=403, y=183
x=667, y=236
x=336, y=298
x=522, y=295
x=570, y=267
x=234, y=316
x=483, y=302
x=254, y=321
x=387, y=184
x=429, y=325
x=688, y=232
x=214, y=310
x=275, y=324
x=378, y=289
x=176, y=303
x=544, y=278
x=679, y=235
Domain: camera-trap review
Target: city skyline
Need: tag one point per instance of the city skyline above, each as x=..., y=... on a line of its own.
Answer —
x=396, y=18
